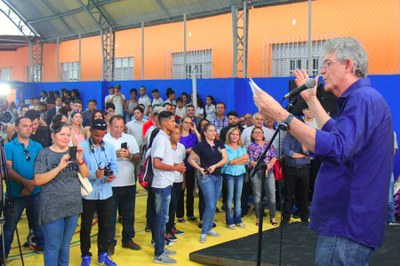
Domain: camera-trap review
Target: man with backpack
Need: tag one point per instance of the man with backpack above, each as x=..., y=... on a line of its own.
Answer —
x=163, y=168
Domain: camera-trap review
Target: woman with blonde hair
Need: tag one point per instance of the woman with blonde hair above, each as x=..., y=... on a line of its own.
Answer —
x=234, y=172
x=78, y=132
x=189, y=138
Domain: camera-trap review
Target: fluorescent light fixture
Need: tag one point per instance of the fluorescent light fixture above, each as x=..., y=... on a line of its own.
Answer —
x=5, y=89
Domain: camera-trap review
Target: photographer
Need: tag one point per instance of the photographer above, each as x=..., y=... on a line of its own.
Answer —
x=101, y=159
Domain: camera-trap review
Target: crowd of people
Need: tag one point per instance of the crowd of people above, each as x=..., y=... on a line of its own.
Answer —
x=191, y=146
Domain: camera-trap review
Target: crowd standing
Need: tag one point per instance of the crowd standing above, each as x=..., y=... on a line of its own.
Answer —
x=191, y=146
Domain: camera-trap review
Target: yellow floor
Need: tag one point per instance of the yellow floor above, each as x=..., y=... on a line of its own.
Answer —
x=184, y=246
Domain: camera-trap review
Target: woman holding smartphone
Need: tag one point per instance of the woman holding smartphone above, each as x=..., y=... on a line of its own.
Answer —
x=60, y=195
x=212, y=155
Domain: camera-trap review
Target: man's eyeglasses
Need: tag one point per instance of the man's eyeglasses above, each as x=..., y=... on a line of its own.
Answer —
x=27, y=156
x=327, y=63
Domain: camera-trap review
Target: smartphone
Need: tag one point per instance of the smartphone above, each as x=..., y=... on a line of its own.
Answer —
x=124, y=145
x=72, y=153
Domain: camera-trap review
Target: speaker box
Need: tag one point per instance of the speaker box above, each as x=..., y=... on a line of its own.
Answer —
x=328, y=100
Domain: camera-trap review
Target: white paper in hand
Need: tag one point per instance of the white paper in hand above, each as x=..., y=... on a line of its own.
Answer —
x=254, y=87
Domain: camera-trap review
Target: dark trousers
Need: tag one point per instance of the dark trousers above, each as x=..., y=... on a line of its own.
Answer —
x=224, y=190
x=314, y=168
x=296, y=185
x=180, y=211
x=246, y=192
x=150, y=212
x=124, y=201
x=175, y=193
x=103, y=209
x=12, y=216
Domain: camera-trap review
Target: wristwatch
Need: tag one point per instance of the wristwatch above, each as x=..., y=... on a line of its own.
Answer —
x=284, y=125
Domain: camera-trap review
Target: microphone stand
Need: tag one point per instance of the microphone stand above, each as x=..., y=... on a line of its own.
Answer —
x=261, y=166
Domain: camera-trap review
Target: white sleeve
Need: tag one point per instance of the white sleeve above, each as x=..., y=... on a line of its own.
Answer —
x=157, y=148
x=133, y=146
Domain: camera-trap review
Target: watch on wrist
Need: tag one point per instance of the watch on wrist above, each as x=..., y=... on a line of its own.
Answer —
x=284, y=125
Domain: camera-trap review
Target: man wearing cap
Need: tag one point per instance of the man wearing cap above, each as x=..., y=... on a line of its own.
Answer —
x=101, y=159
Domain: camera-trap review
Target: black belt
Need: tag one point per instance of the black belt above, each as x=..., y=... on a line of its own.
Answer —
x=299, y=166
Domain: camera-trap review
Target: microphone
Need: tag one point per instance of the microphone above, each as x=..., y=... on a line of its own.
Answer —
x=310, y=83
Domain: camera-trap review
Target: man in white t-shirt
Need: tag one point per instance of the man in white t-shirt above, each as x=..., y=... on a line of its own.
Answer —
x=258, y=121
x=180, y=108
x=124, y=185
x=111, y=91
x=156, y=98
x=164, y=174
x=144, y=99
x=135, y=126
x=179, y=154
x=118, y=99
x=309, y=118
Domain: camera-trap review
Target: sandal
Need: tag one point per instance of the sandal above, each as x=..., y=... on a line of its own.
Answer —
x=273, y=221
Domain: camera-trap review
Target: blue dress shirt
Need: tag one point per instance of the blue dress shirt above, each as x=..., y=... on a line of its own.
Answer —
x=100, y=155
x=351, y=189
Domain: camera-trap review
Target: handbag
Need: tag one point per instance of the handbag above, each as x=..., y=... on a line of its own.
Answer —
x=86, y=186
x=278, y=169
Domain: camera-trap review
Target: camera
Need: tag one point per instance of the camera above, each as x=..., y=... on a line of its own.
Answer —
x=107, y=170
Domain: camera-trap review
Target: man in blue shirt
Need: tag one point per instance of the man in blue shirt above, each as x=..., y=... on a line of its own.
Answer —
x=101, y=159
x=351, y=191
x=21, y=153
x=297, y=176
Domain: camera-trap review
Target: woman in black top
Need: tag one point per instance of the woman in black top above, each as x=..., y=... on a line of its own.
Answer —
x=212, y=155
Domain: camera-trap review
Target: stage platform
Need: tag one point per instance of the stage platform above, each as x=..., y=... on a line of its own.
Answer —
x=298, y=248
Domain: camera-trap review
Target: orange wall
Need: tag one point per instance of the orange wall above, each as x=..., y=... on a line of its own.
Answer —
x=375, y=23
x=18, y=61
x=49, y=62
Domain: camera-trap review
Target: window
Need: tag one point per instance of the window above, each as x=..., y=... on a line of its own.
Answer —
x=70, y=71
x=5, y=74
x=288, y=56
x=123, y=68
x=197, y=62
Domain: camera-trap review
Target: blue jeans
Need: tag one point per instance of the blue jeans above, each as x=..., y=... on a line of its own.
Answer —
x=162, y=199
x=337, y=250
x=234, y=186
x=124, y=201
x=20, y=204
x=269, y=188
x=211, y=188
x=58, y=235
x=390, y=213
